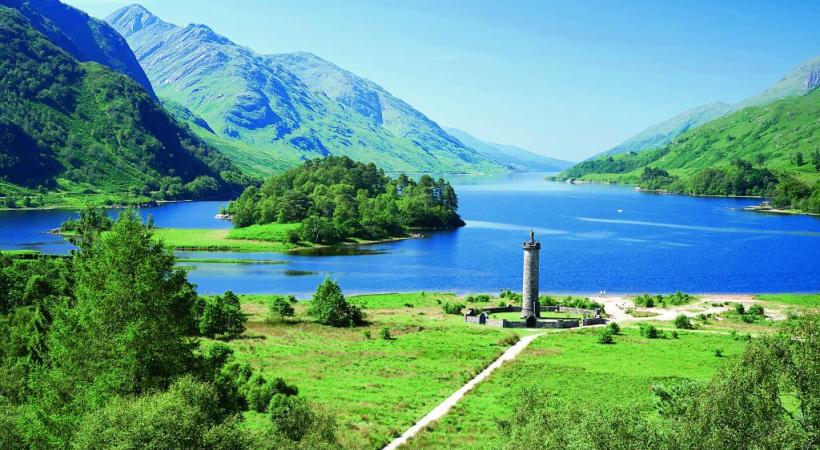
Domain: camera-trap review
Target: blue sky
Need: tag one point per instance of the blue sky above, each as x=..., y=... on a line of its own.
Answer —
x=563, y=78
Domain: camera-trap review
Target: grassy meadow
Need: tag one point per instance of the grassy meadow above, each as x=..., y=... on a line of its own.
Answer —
x=376, y=387
x=573, y=365
x=260, y=238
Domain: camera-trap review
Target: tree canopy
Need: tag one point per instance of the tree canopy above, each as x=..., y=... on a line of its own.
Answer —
x=336, y=198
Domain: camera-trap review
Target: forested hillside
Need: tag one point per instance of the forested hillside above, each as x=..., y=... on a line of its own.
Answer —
x=70, y=130
x=83, y=37
x=771, y=151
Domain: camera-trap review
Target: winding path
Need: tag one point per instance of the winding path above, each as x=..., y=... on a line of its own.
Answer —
x=439, y=411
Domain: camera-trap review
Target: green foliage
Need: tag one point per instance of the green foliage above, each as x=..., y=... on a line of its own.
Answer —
x=606, y=337
x=452, y=308
x=650, y=331
x=258, y=391
x=82, y=127
x=293, y=418
x=329, y=307
x=676, y=299
x=509, y=340
x=220, y=315
x=185, y=416
x=613, y=327
x=335, y=199
x=281, y=308
x=682, y=321
x=384, y=333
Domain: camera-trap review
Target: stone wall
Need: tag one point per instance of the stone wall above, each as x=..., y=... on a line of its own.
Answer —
x=594, y=321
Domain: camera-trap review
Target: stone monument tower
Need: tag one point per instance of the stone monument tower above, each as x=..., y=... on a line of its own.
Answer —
x=530, y=306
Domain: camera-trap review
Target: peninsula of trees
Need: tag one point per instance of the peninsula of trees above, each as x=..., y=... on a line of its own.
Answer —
x=336, y=198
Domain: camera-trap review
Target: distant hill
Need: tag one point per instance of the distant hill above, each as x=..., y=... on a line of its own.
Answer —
x=274, y=111
x=799, y=81
x=84, y=37
x=513, y=157
x=82, y=128
x=771, y=151
x=663, y=133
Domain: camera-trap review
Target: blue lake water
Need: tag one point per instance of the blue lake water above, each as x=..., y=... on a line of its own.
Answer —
x=657, y=243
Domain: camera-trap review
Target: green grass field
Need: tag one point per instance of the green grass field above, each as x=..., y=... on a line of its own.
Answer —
x=803, y=300
x=376, y=388
x=572, y=365
x=261, y=239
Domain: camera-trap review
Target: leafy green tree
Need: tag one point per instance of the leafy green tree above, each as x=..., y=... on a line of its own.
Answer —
x=124, y=335
x=183, y=417
x=222, y=315
x=682, y=321
x=329, y=307
x=280, y=308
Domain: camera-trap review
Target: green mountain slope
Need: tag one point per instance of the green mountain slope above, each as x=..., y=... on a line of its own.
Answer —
x=515, y=158
x=799, y=81
x=267, y=112
x=81, y=128
x=85, y=38
x=663, y=133
x=760, y=150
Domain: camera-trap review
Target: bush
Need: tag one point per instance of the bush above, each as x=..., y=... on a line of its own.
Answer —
x=509, y=340
x=480, y=298
x=682, y=321
x=384, y=333
x=674, y=334
x=747, y=318
x=614, y=328
x=650, y=331
x=258, y=391
x=606, y=337
x=452, y=308
x=329, y=307
x=367, y=334
x=280, y=308
x=756, y=310
x=718, y=353
x=740, y=309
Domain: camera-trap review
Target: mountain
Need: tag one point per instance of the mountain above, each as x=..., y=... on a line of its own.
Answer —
x=783, y=136
x=799, y=81
x=85, y=38
x=79, y=128
x=662, y=133
x=513, y=157
x=268, y=112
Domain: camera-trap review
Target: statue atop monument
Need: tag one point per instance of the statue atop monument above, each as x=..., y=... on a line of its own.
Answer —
x=532, y=236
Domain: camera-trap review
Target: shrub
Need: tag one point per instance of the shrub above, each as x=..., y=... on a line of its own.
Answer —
x=718, y=353
x=408, y=305
x=606, y=337
x=480, y=298
x=748, y=318
x=367, y=334
x=740, y=309
x=384, y=333
x=650, y=331
x=509, y=340
x=452, y=308
x=258, y=391
x=674, y=334
x=329, y=307
x=756, y=310
x=280, y=308
x=614, y=328
x=682, y=321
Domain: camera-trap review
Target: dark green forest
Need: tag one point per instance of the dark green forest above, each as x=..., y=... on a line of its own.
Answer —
x=70, y=126
x=336, y=198
x=101, y=349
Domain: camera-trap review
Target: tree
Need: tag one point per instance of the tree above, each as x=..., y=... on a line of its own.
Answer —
x=183, y=417
x=222, y=315
x=124, y=335
x=798, y=159
x=329, y=306
x=760, y=159
x=682, y=321
x=280, y=308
